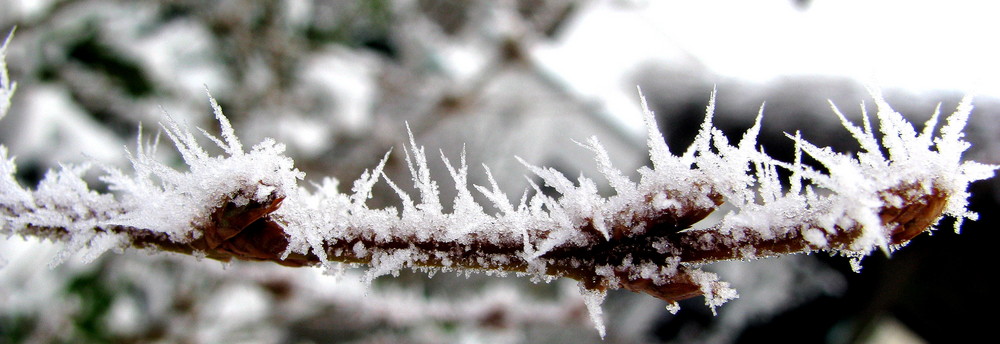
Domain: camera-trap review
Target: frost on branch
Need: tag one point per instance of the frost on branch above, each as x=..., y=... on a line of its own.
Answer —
x=249, y=205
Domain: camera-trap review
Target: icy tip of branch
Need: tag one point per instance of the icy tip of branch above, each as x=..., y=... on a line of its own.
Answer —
x=232, y=144
x=659, y=153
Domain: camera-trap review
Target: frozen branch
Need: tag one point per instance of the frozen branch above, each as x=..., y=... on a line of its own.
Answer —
x=247, y=205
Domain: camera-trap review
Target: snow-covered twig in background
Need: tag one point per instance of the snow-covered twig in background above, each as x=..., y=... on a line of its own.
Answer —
x=248, y=205
x=7, y=87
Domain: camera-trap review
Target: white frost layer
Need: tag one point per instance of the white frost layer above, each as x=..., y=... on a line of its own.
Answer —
x=154, y=197
x=163, y=200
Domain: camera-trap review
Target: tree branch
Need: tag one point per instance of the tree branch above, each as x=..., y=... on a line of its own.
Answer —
x=250, y=233
x=247, y=205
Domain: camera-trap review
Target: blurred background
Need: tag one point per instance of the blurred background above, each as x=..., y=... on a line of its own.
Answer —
x=337, y=81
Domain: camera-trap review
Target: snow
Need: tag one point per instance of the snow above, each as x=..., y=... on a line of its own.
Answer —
x=7, y=87
x=174, y=202
x=855, y=185
x=347, y=77
x=177, y=203
x=56, y=128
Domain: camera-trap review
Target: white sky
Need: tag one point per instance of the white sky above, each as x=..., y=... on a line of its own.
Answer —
x=913, y=45
x=910, y=44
